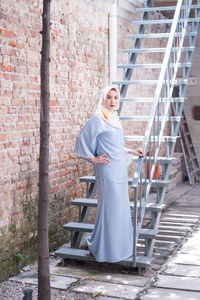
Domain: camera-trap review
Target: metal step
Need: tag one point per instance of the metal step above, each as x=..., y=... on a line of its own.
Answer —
x=93, y=203
x=165, y=8
x=86, y=227
x=152, y=66
x=163, y=21
x=157, y=35
x=148, y=233
x=72, y=253
x=139, y=138
x=156, y=50
x=85, y=202
x=160, y=160
x=155, y=183
x=150, y=100
x=153, y=207
x=146, y=118
x=148, y=82
x=78, y=226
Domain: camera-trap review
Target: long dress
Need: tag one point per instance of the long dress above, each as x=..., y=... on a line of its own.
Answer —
x=112, y=237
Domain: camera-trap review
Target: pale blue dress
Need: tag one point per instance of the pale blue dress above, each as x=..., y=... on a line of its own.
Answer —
x=112, y=237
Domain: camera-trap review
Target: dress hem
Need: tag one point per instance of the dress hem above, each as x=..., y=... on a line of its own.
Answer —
x=108, y=261
x=113, y=261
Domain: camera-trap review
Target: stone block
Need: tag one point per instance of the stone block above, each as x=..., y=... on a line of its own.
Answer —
x=178, y=282
x=99, y=273
x=187, y=259
x=108, y=289
x=58, y=282
x=169, y=294
x=182, y=270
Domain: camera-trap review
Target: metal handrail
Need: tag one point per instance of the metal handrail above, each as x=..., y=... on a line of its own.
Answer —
x=162, y=75
x=164, y=88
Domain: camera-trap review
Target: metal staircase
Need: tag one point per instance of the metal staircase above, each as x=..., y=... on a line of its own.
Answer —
x=174, y=71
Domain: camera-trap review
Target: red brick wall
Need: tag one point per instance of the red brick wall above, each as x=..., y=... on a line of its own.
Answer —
x=78, y=71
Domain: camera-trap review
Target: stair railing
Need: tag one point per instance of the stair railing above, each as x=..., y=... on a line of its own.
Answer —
x=159, y=114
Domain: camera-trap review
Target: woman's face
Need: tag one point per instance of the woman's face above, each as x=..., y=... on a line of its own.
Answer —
x=112, y=100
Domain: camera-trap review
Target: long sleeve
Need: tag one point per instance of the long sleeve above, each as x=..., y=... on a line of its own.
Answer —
x=86, y=142
x=128, y=156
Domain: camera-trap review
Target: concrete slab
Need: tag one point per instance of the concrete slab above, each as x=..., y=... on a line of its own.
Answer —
x=178, y=192
x=159, y=262
x=188, y=202
x=187, y=259
x=195, y=237
x=182, y=270
x=100, y=275
x=168, y=294
x=108, y=289
x=190, y=249
x=172, y=232
x=178, y=282
x=180, y=210
x=174, y=238
x=187, y=209
x=179, y=220
x=58, y=282
x=192, y=244
x=192, y=197
x=168, y=245
x=107, y=298
x=180, y=216
x=176, y=224
x=195, y=191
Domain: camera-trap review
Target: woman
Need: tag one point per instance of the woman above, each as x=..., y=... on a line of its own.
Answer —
x=101, y=141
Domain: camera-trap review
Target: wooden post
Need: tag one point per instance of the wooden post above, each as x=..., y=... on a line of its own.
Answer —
x=44, y=290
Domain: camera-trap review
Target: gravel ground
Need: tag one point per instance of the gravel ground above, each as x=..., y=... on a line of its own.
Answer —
x=10, y=290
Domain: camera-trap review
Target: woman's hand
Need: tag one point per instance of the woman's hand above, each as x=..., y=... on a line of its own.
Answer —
x=100, y=159
x=140, y=152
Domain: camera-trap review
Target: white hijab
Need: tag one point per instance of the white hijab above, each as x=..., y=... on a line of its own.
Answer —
x=110, y=117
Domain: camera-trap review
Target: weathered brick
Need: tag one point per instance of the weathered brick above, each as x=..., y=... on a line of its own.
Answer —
x=6, y=33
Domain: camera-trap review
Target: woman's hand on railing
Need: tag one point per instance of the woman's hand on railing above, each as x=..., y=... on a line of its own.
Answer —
x=139, y=152
x=100, y=159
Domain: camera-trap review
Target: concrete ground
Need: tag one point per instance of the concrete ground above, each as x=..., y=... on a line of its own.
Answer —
x=175, y=274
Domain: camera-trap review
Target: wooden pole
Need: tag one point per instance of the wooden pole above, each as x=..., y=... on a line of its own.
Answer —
x=44, y=290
